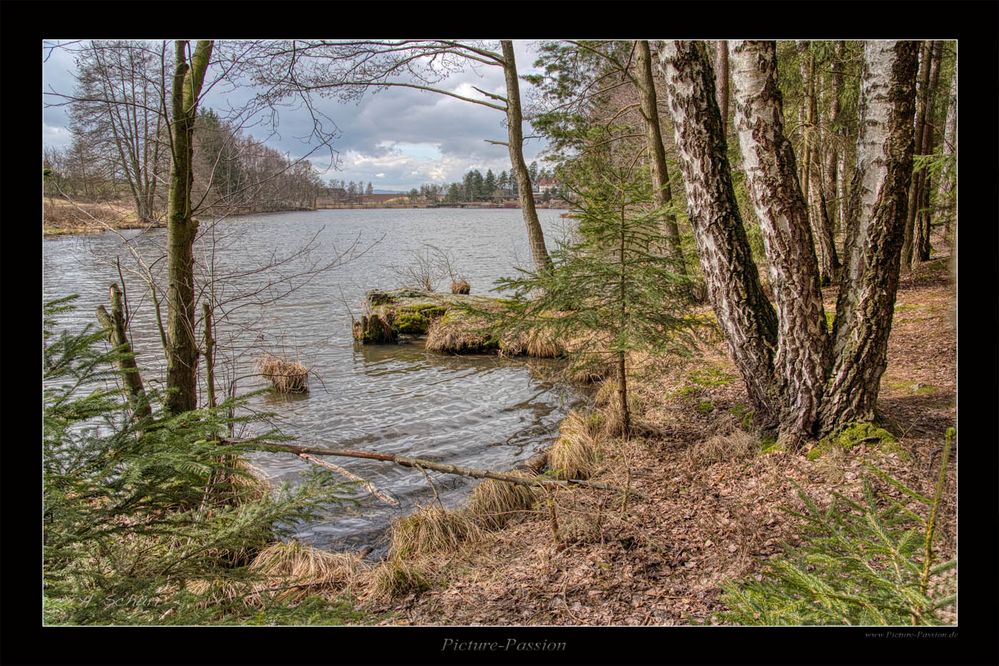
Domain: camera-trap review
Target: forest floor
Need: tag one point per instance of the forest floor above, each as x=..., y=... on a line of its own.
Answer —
x=709, y=504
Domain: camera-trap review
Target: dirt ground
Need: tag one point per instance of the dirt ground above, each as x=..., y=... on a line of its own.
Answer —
x=707, y=504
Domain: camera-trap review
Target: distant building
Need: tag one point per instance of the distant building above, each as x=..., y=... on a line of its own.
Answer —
x=546, y=185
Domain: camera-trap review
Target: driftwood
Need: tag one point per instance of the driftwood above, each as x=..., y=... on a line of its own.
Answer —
x=114, y=324
x=445, y=468
x=383, y=496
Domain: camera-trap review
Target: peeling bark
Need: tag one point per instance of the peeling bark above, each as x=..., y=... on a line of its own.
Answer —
x=768, y=161
x=744, y=313
x=876, y=225
x=657, y=153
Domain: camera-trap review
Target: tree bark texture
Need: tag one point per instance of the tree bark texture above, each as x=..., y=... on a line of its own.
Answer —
x=657, y=152
x=515, y=141
x=745, y=315
x=945, y=185
x=182, y=353
x=876, y=227
x=771, y=176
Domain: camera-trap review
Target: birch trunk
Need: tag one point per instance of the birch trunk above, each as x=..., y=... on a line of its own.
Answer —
x=876, y=228
x=745, y=315
x=657, y=153
x=771, y=176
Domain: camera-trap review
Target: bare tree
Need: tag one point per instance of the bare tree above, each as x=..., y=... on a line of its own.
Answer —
x=348, y=69
x=118, y=108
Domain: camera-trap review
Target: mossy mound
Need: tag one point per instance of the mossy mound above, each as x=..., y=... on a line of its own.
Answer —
x=854, y=435
x=461, y=333
x=389, y=314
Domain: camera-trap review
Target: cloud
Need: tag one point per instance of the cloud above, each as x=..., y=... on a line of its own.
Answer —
x=401, y=137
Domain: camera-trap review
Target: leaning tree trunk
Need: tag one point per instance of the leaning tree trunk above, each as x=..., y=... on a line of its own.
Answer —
x=876, y=228
x=771, y=177
x=745, y=315
x=657, y=153
x=182, y=352
x=515, y=143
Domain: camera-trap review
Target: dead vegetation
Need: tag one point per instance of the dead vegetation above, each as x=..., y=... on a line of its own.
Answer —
x=710, y=499
x=575, y=454
x=285, y=376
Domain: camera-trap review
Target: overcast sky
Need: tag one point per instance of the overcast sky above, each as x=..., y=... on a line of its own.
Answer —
x=397, y=138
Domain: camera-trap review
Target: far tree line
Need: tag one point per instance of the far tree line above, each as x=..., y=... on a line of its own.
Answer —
x=474, y=186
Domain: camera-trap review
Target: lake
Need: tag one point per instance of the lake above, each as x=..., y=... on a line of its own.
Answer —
x=480, y=411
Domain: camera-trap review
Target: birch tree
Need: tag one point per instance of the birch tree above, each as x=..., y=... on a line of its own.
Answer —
x=802, y=380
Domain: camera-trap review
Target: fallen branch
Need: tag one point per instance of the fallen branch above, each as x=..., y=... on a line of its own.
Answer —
x=388, y=499
x=417, y=463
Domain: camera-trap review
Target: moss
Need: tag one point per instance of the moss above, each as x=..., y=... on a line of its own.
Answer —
x=906, y=307
x=412, y=323
x=380, y=298
x=427, y=310
x=853, y=435
x=769, y=445
x=742, y=412
x=830, y=318
x=914, y=388
x=705, y=406
x=709, y=376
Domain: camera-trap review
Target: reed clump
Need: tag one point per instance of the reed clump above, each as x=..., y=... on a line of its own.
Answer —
x=576, y=453
x=431, y=529
x=285, y=376
x=494, y=503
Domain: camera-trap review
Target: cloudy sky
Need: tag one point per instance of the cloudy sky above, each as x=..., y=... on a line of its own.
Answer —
x=397, y=138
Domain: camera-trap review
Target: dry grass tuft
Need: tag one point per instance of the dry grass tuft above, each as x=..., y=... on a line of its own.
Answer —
x=302, y=568
x=494, y=503
x=736, y=445
x=575, y=454
x=456, y=333
x=395, y=577
x=431, y=529
x=540, y=342
x=586, y=370
x=286, y=376
x=460, y=287
x=223, y=591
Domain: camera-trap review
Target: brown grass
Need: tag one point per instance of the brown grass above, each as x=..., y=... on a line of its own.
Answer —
x=456, y=333
x=736, y=445
x=62, y=216
x=575, y=455
x=431, y=529
x=540, y=342
x=396, y=577
x=494, y=503
x=303, y=569
x=286, y=376
x=460, y=287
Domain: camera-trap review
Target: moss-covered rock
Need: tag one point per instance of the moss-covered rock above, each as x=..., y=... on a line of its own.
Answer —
x=854, y=435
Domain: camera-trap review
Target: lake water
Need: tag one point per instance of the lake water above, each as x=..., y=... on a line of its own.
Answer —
x=478, y=411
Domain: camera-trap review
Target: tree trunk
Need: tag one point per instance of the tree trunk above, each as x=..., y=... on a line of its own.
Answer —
x=812, y=185
x=745, y=315
x=114, y=323
x=657, y=153
x=920, y=118
x=721, y=83
x=876, y=228
x=771, y=178
x=926, y=148
x=834, y=151
x=182, y=356
x=945, y=185
x=515, y=141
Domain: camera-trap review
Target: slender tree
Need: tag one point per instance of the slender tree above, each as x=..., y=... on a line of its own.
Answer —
x=721, y=82
x=763, y=345
x=182, y=345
